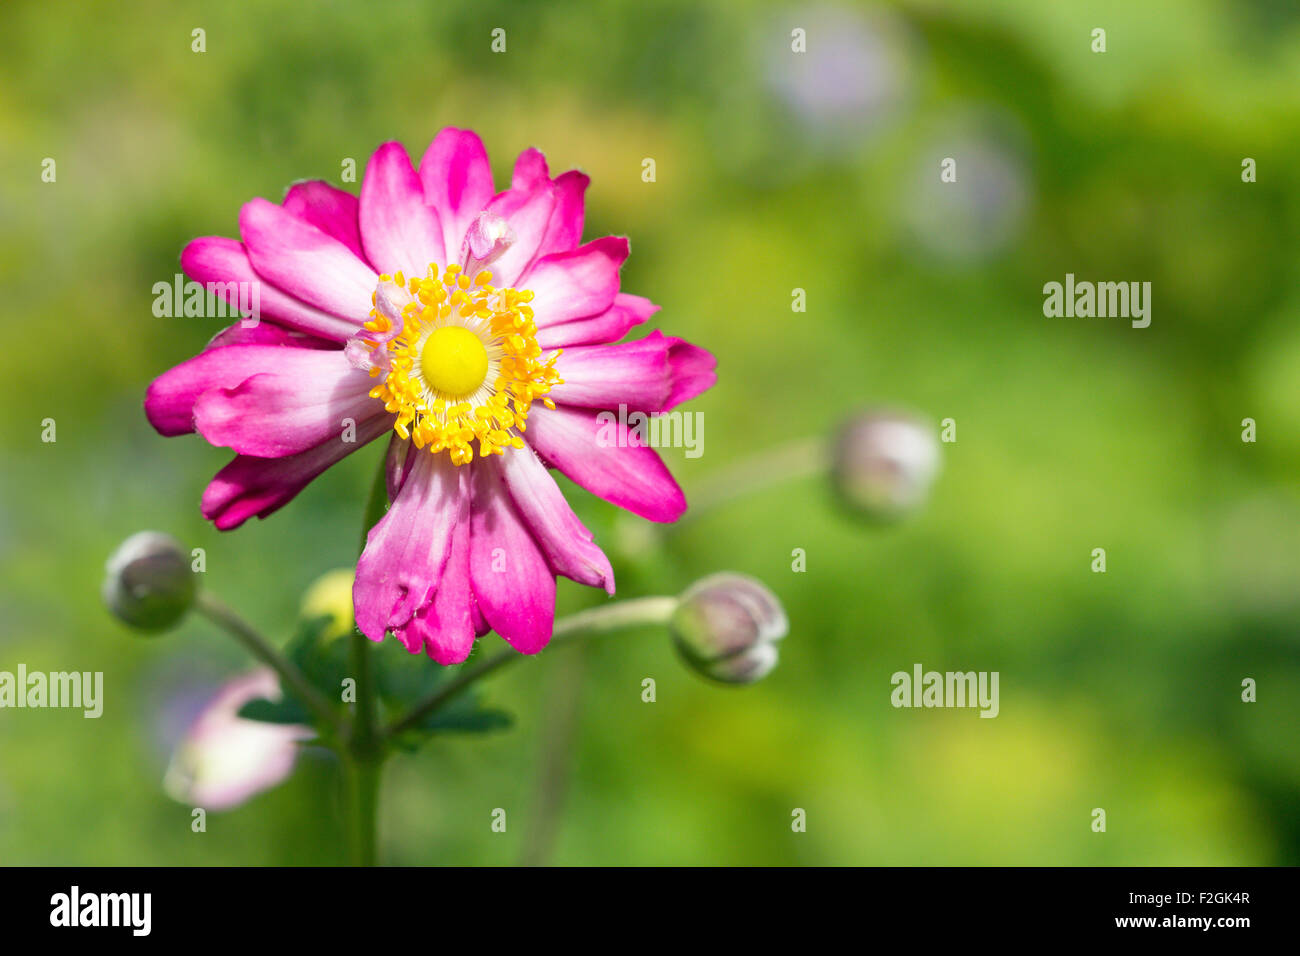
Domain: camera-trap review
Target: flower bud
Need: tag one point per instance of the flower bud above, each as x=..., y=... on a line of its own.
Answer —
x=726, y=627
x=883, y=464
x=148, y=582
x=330, y=595
x=225, y=759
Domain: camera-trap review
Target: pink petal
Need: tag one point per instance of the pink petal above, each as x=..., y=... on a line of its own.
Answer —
x=692, y=372
x=530, y=172
x=513, y=586
x=266, y=333
x=397, y=464
x=308, y=397
x=566, y=543
x=408, y=548
x=652, y=374
x=481, y=626
x=457, y=182
x=169, y=401
x=219, y=260
x=607, y=460
x=610, y=326
x=573, y=285
x=564, y=230
x=527, y=214
x=444, y=628
x=250, y=486
x=332, y=211
x=400, y=232
x=305, y=262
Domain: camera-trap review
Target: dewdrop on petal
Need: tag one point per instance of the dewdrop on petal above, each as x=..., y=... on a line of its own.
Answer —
x=330, y=595
x=726, y=627
x=883, y=464
x=148, y=582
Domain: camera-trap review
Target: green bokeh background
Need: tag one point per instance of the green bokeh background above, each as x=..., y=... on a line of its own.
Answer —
x=1119, y=691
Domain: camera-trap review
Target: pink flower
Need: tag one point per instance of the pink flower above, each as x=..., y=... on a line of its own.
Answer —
x=224, y=759
x=472, y=327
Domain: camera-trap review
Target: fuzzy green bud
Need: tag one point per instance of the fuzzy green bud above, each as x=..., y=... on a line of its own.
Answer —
x=148, y=582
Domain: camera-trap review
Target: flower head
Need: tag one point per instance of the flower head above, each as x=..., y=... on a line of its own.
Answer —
x=473, y=328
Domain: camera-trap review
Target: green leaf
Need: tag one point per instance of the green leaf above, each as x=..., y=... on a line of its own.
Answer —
x=475, y=721
x=287, y=710
x=455, y=718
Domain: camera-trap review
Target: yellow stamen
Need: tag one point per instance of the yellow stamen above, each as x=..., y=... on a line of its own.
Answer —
x=465, y=366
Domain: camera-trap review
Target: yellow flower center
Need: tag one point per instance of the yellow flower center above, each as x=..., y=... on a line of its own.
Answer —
x=465, y=366
x=454, y=360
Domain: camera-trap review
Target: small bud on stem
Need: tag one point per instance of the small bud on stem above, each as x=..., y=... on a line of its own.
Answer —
x=148, y=583
x=726, y=627
x=884, y=464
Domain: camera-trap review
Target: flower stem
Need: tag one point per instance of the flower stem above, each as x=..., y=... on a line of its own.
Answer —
x=365, y=751
x=361, y=776
x=377, y=503
x=216, y=611
x=597, y=620
x=364, y=719
x=799, y=458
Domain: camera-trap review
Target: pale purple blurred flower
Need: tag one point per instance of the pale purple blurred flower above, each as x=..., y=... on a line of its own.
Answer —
x=224, y=759
x=854, y=75
x=884, y=463
x=985, y=210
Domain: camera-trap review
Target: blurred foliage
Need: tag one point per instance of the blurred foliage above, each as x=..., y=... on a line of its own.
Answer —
x=1119, y=691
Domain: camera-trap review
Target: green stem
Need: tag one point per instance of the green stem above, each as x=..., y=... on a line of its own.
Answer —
x=364, y=754
x=799, y=458
x=597, y=620
x=361, y=792
x=376, y=503
x=216, y=611
x=364, y=739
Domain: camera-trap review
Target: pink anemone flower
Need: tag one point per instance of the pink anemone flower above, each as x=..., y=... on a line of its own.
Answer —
x=472, y=327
